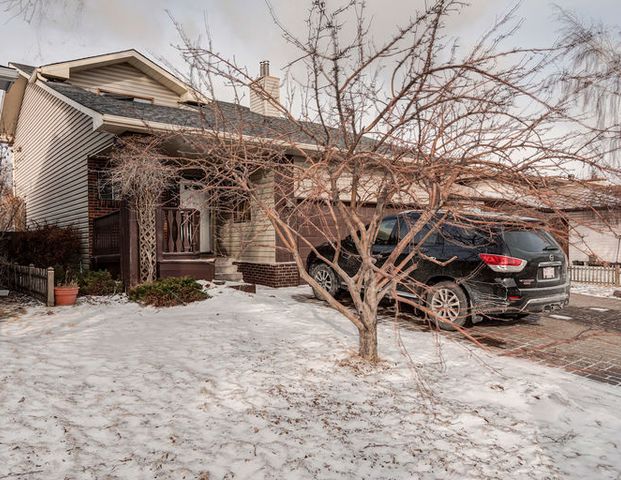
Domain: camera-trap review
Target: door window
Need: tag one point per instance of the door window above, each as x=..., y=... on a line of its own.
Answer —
x=385, y=233
x=404, y=227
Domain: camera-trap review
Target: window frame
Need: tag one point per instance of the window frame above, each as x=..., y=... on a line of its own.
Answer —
x=103, y=184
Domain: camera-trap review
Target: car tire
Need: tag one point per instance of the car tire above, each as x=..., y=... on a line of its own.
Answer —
x=327, y=278
x=447, y=300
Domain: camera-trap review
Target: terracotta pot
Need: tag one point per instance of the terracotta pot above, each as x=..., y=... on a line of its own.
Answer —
x=65, y=295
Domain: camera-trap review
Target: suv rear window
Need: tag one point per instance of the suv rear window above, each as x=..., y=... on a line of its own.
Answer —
x=529, y=240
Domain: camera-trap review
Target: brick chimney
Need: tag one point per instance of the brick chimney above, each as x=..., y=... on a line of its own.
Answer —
x=262, y=90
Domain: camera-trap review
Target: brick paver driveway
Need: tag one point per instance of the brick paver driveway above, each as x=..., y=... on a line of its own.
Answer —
x=584, y=338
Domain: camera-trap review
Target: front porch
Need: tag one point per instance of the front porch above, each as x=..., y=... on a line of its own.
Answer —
x=179, y=249
x=191, y=230
x=185, y=243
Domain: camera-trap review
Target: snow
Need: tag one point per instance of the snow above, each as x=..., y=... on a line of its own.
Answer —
x=593, y=290
x=265, y=386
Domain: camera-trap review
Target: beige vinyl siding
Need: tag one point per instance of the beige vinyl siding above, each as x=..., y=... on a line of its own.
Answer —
x=253, y=241
x=52, y=144
x=125, y=78
x=10, y=105
x=591, y=235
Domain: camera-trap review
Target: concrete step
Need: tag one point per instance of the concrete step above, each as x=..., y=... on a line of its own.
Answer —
x=223, y=261
x=226, y=269
x=229, y=277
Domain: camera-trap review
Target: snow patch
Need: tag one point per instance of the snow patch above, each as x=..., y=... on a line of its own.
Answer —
x=594, y=290
x=267, y=386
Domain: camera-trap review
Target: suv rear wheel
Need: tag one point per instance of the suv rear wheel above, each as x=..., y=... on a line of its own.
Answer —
x=326, y=278
x=448, y=302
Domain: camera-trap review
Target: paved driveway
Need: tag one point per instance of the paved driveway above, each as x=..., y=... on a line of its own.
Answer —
x=584, y=338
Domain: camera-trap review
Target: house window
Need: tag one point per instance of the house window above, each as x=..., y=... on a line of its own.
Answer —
x=106, y=190
x=242, y=212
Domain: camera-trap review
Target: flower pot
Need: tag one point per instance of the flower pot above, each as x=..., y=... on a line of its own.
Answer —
x=65, y=295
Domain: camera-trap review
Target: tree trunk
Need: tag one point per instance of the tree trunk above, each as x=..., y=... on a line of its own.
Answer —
x=368, y=343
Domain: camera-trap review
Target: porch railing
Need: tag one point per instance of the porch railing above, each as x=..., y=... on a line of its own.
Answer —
x=180, y=230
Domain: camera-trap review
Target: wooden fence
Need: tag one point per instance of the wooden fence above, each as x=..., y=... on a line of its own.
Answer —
x=39, y=282
x=596, y=275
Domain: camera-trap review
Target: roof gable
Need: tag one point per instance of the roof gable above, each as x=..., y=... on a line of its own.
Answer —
x=124, y=79
x=64, y=70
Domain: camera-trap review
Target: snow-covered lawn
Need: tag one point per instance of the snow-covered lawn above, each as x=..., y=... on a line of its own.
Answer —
x=263, y=387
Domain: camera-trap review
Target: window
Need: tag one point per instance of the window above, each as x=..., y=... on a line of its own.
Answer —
x=529, y=241
x=384, y=234
x=432, y=239
x=406, y=223
x=105, y=189
x=468, y=236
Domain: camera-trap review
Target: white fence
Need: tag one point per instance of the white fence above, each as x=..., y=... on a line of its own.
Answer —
x=596, y=275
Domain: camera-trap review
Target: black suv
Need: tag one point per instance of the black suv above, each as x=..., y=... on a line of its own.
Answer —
x=506, y=267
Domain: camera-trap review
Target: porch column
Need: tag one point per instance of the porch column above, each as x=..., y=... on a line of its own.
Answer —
x=128, y=236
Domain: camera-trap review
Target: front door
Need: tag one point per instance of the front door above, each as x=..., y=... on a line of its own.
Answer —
x=192, y=196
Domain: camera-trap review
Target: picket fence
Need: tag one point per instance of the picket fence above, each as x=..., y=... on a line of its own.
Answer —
x=38, y=282
x=610, y=276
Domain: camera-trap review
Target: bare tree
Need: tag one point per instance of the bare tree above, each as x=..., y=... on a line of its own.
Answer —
x=142, y=172
x=11, y=206
x=409, y=121
x=594, y=76
x=36, y=10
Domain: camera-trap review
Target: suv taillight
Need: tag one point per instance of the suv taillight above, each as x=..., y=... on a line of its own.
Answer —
x=502, y=263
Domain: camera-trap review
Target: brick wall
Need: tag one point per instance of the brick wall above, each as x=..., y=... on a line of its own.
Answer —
x=96, y=207
x=316, y=224
x=270, y=274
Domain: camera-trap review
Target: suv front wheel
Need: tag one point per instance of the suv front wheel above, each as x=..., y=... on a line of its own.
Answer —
x=326, y=278
x=448, y=305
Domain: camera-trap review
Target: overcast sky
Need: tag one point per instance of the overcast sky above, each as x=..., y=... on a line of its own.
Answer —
x=239, y=27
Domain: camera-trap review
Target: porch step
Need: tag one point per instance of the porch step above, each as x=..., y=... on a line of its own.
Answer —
x=229, y=277
x=223, y=261
x=226, y=270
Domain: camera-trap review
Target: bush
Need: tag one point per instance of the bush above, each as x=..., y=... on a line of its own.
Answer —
x=98, y=283
x=168, y=292
x=46, y=246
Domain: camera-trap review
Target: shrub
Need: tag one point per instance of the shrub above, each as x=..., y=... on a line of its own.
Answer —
x=98, y=283
x=168, y=292
x=65, y=276
x=46, y=245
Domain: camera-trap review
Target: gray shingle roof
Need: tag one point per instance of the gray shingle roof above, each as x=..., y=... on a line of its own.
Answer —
x=222, y=116
x=28, y=69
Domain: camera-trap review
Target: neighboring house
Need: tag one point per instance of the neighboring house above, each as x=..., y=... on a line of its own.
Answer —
x=595, y=236
x=590, y=227
x=61, y=120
